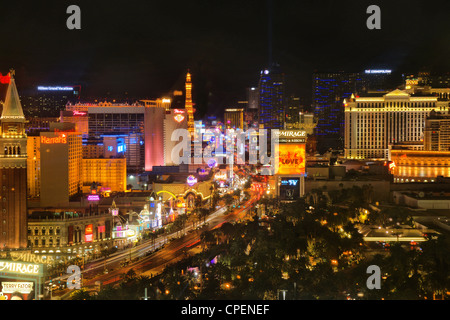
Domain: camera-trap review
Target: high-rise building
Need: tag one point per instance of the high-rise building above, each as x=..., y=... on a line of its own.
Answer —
x=373, y=123
x=80, y=118
x=116, y=119
x=108, y=173
x=48, y=101
x=61, y=156
x=437, y=132
x=13, y=172
x=174, y=119
x=377, y=80
x=154, y=133
x=234, y=118
x=292, y=112
x=329, y=91
x=271, y=98
x=252, y=98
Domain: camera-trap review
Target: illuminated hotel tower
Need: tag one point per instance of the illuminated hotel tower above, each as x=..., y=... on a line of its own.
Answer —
x=372, y=124
x=13, y=172
x=188, y=103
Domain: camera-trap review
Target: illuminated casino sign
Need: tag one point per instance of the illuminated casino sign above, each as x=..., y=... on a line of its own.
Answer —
x=191, y=180
x=78, y=113
x=178, y=118
x=93, y=197
x=291, y=159
x=291, y=136
x=54, y=140
x=88, y=233
x=22, y=287
x=11, y=267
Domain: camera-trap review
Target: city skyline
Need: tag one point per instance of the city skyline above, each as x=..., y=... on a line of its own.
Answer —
x=241, y=150
x=119, y=50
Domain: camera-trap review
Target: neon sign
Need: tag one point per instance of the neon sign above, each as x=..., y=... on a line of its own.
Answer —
x=44, y=88
x=378, y=71
x=191, y=180
x=21, y=268
x=78, y=113
x=178, y=118
x=60, y=139
x=93, y=197
x=289, y=182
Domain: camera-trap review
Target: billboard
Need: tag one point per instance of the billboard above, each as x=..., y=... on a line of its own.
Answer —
x=289, y=188
x=291, y=158
x=23, y=288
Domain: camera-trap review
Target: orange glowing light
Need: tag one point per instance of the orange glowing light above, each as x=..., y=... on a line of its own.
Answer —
x=291, y=159
x=53, y=140
x=178, y=118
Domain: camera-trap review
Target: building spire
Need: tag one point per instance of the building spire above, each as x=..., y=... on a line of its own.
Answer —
x=188, y=103
x=12, y=109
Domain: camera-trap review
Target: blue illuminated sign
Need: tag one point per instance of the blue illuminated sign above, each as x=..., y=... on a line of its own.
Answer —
x=289, y=182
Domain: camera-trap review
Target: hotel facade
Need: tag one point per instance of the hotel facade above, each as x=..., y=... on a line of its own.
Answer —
x=374, y=123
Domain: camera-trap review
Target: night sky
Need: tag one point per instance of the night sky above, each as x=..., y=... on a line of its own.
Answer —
x=144, y=48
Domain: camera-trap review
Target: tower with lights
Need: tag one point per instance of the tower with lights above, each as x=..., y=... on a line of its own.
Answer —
x=188, y=103
x=13, y=171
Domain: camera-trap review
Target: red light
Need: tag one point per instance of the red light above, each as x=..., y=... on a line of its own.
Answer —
x=5, y=79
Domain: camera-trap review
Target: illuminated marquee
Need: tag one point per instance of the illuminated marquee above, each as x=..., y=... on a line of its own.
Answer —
x=20, y=268
x=291, y=159
x=22, y=287
x=61, y=139
x=78, y=113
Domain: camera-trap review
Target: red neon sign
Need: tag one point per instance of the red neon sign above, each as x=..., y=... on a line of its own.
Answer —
x=178, y=111
x=78, y=113
x=5, y=79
